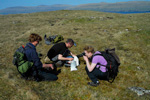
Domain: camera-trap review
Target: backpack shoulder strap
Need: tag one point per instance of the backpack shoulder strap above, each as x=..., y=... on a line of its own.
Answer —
x=94, y=56
x=28, y=46
x=98, y=55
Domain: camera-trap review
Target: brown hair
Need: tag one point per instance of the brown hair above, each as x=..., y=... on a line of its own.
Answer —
x=34, y=37
x=89, y=49
x=70, y=41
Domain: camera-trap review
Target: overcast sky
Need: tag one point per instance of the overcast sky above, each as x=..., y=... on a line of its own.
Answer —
x=13, y=3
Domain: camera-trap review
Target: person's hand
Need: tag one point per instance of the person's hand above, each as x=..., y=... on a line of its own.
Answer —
x=85, y=58
x=48, y=65
x=70, y=59
x=51, y=66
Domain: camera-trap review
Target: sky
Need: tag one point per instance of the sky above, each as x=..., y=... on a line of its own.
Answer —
x=13, y=3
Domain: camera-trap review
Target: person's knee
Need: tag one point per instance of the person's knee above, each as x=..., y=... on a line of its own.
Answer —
x=59, y=63
x=55, y=59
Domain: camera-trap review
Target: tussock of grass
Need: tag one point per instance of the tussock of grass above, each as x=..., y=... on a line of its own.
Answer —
x=129, y=34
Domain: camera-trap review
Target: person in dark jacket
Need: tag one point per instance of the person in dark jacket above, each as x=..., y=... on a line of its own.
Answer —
x=32, y=55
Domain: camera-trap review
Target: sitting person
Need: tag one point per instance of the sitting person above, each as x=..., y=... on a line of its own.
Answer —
x=93, y=70
x=59, y=52
x=38, y=70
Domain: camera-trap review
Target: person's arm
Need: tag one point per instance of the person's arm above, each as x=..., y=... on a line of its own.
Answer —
x=36, y=60
x=60, y=57
x=90, y=67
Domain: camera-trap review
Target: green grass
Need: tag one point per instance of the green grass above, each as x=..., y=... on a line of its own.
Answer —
x=129, y=34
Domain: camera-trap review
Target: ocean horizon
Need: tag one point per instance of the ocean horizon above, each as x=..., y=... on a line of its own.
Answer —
x=133, y=12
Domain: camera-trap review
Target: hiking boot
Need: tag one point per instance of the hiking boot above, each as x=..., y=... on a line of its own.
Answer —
x=93, y=84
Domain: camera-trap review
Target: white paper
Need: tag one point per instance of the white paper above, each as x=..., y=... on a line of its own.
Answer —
x=74, y=63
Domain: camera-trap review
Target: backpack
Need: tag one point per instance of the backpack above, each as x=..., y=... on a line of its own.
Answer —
x=58, y=38
x=53, y=39
x=20, y=61
x=113, y=63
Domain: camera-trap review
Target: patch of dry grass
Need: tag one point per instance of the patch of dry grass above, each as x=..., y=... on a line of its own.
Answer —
x=129, y=34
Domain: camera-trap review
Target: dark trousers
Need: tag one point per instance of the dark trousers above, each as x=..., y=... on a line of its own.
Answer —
x=96, y=74
x=44, y=75
x=58, y=63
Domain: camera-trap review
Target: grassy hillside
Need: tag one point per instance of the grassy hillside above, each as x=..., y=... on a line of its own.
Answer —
x=129, y=34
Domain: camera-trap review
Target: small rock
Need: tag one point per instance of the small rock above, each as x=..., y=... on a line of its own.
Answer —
x=127, y=29
x=140, y=91
x=138, y=67
x=147, y=91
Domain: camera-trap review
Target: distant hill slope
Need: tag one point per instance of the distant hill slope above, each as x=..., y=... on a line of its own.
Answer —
x=41, y=8
x=131, y=6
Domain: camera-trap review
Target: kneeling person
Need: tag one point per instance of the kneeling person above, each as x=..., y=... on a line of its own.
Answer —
x=94, y=71
x=32, y=55
x=59, y=52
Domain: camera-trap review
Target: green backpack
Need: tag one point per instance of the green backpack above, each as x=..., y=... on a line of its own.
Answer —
x=20, y=60
x=53, y=39
x=58, y=38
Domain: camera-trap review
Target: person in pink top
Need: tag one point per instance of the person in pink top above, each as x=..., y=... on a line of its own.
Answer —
x=93, y=68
